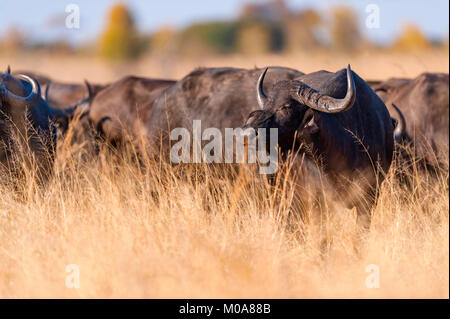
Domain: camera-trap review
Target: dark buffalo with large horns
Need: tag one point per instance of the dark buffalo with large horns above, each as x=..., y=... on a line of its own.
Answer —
x=62, y=95
x=345, y=124
x=26, y=122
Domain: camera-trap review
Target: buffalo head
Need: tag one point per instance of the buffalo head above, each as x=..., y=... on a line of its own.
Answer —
x=290, y=108
x=14, y=100
x=11, y=91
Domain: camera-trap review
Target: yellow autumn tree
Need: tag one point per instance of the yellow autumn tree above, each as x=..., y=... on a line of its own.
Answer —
x=13, y=40
x=163, y=40
x=120, y=40
x=411, y=38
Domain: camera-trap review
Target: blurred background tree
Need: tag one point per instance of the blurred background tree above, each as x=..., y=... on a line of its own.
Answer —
x=261, y=27
x=120, y=40
x=344, y=29
x=163, y=41
x=13, y=40
x=411, y=38
x=272, y=10
x=300, y=30
x=259, y=37
x=253, y=39
x=208, y=38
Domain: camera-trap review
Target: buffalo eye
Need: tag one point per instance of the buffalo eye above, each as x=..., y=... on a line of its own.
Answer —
x=285, y=109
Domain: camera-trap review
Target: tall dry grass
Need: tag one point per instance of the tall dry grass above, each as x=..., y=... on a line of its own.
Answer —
x=148, y=229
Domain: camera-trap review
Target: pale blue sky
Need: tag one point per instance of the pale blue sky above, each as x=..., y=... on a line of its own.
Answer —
x=33, y=16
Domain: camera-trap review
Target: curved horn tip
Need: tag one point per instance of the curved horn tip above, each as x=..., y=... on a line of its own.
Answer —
x=328, y=104
x=260, y=94
x=36, y=87
x=397, y=109
x=8, y=70
x=261, y=78
x=349, y=69
x=89, y=88
x=31, y=99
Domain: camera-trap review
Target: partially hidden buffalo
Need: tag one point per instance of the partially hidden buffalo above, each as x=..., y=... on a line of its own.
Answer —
x=61, y=95
x=421, y=106
x=26, y=123
x=345, y=124
x=219, y=97
x=72, y=98
x=122, y=109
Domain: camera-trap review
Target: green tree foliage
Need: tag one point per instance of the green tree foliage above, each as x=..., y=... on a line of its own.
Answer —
x=260, y=28
x=217, y=37
x=259, y=37
x=120, y=40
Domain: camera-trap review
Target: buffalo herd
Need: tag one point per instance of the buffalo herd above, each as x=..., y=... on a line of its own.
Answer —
x=351, y=127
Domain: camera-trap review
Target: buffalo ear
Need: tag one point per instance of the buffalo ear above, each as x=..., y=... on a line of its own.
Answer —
x=309, y=129
x=61, y=122
x=61, y=125
x=89, y=89
x=308, y=125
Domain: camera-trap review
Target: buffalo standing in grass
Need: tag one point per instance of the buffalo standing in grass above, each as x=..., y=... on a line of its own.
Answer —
x=424, y=102
x=124, y=107
x=61, y=95
x=26, y=123
x=118, y=112
x=346, y=125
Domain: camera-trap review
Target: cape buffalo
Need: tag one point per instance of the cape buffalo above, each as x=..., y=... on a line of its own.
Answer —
x=424, y=101
x=122, y=108
x=219, y=97
x=61, y=95
x=42, y=79
x=26, y=122
x=346, y=125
